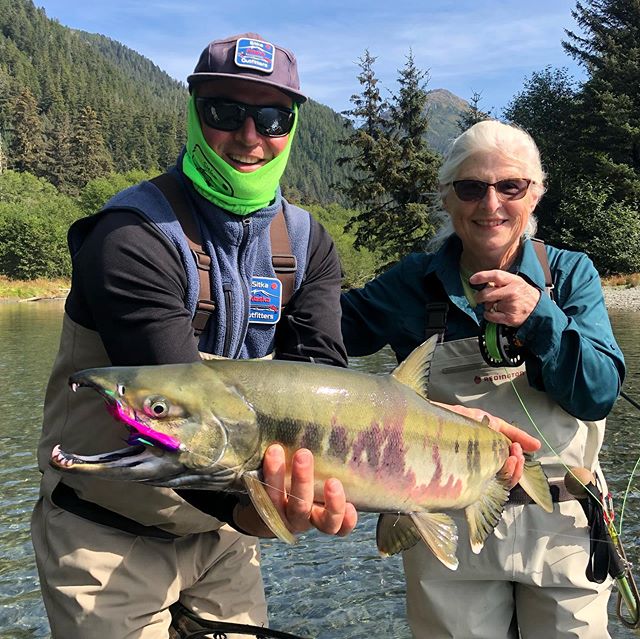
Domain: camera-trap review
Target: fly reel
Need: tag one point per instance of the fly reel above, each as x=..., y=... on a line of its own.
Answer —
x=499, y=345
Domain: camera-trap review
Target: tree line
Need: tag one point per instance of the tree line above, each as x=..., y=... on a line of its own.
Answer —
x=83, y=117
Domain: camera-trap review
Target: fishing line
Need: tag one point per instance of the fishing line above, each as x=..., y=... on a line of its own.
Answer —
x=619, y=567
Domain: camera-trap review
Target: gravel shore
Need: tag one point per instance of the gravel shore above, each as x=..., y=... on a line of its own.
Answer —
x=622, y=298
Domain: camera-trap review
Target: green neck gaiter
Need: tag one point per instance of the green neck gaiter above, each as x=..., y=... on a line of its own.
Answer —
x=219, y=182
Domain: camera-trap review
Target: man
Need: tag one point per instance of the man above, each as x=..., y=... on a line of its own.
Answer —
x=113, y=557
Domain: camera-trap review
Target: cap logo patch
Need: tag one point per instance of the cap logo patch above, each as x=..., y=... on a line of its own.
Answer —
x=254, y=54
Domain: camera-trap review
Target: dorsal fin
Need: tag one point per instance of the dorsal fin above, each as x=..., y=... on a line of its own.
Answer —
x=415, y=370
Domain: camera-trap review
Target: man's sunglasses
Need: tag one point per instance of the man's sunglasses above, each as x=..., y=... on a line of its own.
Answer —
x=226, y=115
x=475, y=190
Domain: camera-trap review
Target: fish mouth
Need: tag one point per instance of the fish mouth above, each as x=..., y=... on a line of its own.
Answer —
x=140, y=432
x=151, y=457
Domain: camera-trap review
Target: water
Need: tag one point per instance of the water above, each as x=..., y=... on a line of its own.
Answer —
x=324, y=588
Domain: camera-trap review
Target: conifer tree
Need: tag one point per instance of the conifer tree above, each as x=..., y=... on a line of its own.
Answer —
x=27, y=144
x=367, y=142
x=473, y=114
x=59, y=157
x=394, y=169
x=609, y=49
x=91, y=158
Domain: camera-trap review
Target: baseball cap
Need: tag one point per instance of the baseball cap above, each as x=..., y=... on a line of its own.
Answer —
x=250, y=57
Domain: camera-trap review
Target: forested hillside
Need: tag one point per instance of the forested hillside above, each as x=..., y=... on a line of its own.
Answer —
x=75, y=106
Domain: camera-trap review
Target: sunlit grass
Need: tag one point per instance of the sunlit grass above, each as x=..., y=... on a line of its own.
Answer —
x=627, y=281
x=25, y=289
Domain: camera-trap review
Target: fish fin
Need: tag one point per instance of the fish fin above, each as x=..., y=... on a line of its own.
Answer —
x=266, y=508
x=535, y=483
x=414, y=371
x=440, y=533
x=395, y=533
x=484, y=514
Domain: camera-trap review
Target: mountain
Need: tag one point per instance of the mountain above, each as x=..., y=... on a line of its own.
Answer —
x=445, y=109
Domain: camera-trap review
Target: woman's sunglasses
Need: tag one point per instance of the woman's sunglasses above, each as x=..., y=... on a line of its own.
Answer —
x=475, y=190
x=226, y=115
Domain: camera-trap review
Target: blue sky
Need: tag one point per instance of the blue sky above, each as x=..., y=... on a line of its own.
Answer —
x=484, y=46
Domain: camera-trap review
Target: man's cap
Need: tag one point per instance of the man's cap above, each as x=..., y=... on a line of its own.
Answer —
x=250, y=57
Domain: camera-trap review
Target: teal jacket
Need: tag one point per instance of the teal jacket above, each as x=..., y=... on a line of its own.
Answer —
x=571, y=351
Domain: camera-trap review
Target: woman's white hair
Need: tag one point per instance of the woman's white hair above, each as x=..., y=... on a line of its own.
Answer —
x=512, y=143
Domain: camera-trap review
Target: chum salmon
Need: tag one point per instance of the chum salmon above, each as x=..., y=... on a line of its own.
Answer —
x=207, y=425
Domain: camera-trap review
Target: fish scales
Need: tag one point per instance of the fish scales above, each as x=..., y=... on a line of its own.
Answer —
x=381, y=439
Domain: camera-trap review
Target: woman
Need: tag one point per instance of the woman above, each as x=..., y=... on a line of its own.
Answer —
x=530, y=576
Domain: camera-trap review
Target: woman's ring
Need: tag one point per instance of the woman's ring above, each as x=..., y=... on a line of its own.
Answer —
x=494, y=308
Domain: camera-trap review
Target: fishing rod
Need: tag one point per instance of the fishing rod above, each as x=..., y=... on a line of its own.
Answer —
x=499, y=346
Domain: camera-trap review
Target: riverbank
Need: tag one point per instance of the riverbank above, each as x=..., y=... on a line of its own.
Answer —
x=622, y=297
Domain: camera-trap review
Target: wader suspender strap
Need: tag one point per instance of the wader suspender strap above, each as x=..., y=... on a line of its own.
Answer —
x=435, y=320
x=541, y=253
x=174, y=194
x=284, y=262
x=436, y=312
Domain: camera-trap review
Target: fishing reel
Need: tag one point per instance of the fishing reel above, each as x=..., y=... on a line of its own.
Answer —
x=499, y=345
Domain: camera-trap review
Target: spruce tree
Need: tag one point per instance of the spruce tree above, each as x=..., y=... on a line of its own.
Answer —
x=473, y=114
x=366, y=142
x=609, y=49
x=414, y=182
x=26, y=150
x=91, y=158
x=395, y=172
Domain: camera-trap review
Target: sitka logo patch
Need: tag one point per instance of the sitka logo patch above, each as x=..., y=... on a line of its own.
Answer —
x=254, y=54
x=265, y=299
x=498, y=377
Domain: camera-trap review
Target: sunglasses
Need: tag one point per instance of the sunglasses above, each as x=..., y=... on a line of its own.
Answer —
x=475, y=190
x=226, y=115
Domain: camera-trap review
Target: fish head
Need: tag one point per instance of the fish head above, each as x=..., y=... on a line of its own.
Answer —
x=187, y=426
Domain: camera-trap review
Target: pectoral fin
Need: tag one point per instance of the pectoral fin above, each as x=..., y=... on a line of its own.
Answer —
x=484, y=514
x=440, y=533
x=535, y=484
x=266, y=508
x=396, y=533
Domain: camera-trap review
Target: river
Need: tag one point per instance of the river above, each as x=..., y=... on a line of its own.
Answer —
x=323, y=587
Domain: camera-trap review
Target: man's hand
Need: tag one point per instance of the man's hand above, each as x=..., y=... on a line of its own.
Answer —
x=520, y=441
x=296, y=507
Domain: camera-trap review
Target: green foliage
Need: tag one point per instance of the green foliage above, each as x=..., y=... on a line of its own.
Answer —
x=609, y=49
x=96, y=193
x=608, y=231
x=394, y=170
x=34, y=219
x=358, y=266
x=589, y=137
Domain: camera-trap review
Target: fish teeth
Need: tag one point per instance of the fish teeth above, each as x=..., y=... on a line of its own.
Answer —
x=74, y=386
x=60, y=458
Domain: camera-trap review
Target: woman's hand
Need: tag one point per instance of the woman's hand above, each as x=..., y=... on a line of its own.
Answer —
x=508, y=299
x=296, y=507
x=520, y=441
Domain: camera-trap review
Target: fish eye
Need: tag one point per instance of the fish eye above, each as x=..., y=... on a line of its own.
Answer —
x=121, y=389
x=156, y=407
